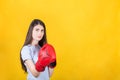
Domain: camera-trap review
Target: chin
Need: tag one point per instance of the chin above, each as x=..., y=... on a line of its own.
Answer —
x=39, y=39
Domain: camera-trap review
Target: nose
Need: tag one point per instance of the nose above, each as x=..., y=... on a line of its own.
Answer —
x=39, y=32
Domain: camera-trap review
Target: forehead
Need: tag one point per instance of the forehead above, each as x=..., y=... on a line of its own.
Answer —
x=38, y=27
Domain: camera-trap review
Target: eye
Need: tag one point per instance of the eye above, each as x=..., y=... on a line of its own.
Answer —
x=37, y=29
x=42, y=30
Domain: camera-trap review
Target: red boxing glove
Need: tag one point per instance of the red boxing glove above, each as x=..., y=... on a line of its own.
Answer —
x=53, y=56
x=45, y=58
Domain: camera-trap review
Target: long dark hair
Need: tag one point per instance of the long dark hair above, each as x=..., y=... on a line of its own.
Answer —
x=28, y=39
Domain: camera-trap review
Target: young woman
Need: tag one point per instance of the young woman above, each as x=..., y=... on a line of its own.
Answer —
x=35, y=39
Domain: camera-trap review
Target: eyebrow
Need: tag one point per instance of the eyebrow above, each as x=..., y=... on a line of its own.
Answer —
x=42, y=29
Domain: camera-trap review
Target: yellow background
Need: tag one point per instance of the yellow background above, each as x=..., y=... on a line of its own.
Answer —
x=85, y=34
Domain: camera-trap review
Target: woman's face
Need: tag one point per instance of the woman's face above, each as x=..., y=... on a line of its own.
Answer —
x=38, y=32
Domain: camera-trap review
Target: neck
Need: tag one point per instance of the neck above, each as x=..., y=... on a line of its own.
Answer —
x=34, y=43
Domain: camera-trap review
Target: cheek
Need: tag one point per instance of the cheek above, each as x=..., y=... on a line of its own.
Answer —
x=33, y=35
x=42, y=34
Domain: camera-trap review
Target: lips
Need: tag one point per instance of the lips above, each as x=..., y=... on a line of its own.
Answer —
x=39, y=36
